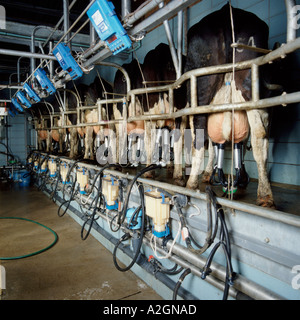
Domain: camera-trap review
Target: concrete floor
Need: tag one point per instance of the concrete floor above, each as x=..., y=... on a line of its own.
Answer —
x=71, y=270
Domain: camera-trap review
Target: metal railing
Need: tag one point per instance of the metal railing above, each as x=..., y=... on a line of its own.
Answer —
x=191, y=76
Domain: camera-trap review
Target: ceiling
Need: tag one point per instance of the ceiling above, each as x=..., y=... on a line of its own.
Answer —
x=22, y=16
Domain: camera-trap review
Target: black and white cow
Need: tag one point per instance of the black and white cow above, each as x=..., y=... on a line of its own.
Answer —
x=209, y=44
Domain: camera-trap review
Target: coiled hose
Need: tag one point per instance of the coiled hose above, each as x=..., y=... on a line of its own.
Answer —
x=36, y=252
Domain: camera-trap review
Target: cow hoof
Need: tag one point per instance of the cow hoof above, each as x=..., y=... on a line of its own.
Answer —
x=179, y=182
x=266, y=202
x=149, y=175
x=206, y=177
x=192, y=185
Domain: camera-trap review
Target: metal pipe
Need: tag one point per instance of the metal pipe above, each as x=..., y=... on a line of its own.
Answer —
x=6, y=86
x=247, y=105
x=75, y=22
x=171, y=44
x=66, y=22
x=93, y=34
x=242, y=284
x=126, y=8
x=51, y=64
x=165, y=13
x=111, y=64
x=179, y=42
x=255, y=82
x=16, y=53
x=32, y=46
x=184, y=257
x=291, y=31
x=58, y=24
x=267, y=213
x=140, y=13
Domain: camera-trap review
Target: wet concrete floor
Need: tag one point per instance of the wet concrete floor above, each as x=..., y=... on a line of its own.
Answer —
x=72, y=269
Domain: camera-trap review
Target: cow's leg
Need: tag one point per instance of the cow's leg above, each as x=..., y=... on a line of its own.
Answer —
x=149, y=145
x=178, y=142
x=88, y=142
x=73, y=142
x=197, y=152
x=258, y=121
x=61, y=141
x=210, y=163
x=49, y=147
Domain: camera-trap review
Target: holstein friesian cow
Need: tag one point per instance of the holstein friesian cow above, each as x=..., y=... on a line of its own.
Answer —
x=54, y=138
x=123, y=129
x=157, y=69
x=209, y=44
x=89, y=95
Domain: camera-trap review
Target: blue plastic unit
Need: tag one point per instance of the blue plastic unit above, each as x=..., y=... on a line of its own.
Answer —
x=11, y=113
x=162, y=233
x=129, y=214
x=112, y=207
x=22, y=99
x=31, y=93
x=17, y=104
x=108, y=26
x=64, y=56
x=44, y=81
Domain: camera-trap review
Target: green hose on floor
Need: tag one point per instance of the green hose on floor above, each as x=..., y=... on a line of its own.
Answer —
x=36, y=252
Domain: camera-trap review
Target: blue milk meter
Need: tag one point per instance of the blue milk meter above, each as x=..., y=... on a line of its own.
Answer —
x=64, y=56
x=17, y=104
x=31, y=93
x=108, y=26
x=44, y=81
x=22, y=99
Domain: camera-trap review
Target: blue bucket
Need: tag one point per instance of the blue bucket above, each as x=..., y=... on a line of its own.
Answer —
x=25, y=178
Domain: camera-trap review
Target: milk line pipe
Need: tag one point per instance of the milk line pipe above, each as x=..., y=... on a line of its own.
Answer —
x=136, y=15
x=153, y=21
x=177, y=259
x=195, y=262
x=233, y=292
x=271, y=214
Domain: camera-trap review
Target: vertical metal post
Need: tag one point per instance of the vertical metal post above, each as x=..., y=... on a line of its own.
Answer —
x=51, y=64
x=171, y=44
x=291, y=28
x=179, y=42
x=193, y=85
x=255, y=82
x=92, y=33
x=66, y=21
x=132, y=97
x=126, y=8
x=171, y=100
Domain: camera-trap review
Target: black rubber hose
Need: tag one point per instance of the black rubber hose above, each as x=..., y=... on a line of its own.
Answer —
x=126, y=236
x=73, y=190
x=99, y=195
x=124, y=210
x=178, y=284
